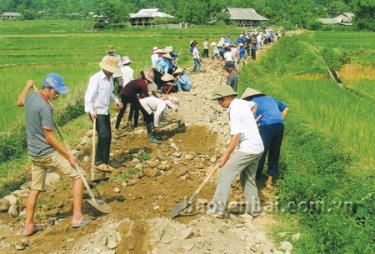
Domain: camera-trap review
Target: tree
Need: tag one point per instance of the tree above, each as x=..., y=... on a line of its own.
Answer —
x=365, y=14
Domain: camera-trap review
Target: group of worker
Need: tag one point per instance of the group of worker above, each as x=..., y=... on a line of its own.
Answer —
x=256, y=127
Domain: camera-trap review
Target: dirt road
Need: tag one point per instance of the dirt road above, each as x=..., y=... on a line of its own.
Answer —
x=148, y=182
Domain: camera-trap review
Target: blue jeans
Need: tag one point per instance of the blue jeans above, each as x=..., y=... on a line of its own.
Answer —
x=197, y=65
x=272, y=136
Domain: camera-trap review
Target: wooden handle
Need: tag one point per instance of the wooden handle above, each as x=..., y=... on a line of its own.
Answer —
x=213, y=171
x=93, y=149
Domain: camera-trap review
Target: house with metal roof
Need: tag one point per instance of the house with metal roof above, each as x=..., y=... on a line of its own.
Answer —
x=345, y=18
x=10, y=15
x=146, y=17
x=245, y=16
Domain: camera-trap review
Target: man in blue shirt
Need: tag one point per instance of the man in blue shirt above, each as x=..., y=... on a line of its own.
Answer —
x=271, y=114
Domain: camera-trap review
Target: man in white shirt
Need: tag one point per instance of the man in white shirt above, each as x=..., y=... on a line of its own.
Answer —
x=205, y=48
x=98, y=95
x=156, y=54
x=162, y=110
x=126, y=71
x=196, y=58
x=244, y=135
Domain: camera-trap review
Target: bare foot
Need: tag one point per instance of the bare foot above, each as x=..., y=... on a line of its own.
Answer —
x=269, y=183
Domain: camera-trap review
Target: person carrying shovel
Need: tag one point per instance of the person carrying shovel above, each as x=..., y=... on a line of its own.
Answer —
x=98, y=95
x=44, y=150
x=243, y=162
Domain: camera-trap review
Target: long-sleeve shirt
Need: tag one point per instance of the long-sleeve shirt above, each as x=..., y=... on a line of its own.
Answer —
x=162, y=65
x=134, y=88
x=99, y=93
x=196, y=53
x=154, y=105
x=154, y=60
x=127, y=74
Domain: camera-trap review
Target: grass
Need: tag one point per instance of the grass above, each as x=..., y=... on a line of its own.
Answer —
x=328, y=151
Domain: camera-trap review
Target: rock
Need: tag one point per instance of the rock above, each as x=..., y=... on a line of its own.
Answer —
x=86, y=159
x=165, y=166
x=152, y=172
x=177, y=154
x=21, y=193
x=21, y=246
x=296, y=237
x=13, y=211
x=286, y=246
x=112, y=241
x=52, y=213
x=181, y=171
x=11, y=199
x=135, y=160
x=153, y=164
x=189, y=157
x=116, y=190
x=213, y=159
x=4, y=205
x=132, y=182
x=185, y=177
x=124, y=184
x=52, y=178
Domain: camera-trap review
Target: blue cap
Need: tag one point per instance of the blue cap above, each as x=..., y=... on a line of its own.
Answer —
x=55, y=81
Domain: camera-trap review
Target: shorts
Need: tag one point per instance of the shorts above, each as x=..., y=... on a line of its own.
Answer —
x=53, y=161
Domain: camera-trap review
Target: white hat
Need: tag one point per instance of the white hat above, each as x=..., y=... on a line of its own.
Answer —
x=213, y=44
x=168, y=49
x=155, y=48
x=178, y=70
x=126, y=60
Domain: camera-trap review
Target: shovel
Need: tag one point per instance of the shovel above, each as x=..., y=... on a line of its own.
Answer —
x=184, y=205
x=99, y=205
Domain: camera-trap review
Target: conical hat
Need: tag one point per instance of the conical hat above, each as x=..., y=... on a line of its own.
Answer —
x=249, y=92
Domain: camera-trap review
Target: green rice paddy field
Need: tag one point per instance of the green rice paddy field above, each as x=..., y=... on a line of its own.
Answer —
x=328, y=152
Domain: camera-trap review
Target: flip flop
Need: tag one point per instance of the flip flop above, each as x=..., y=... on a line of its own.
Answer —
x=83, y=222
x=35, y=229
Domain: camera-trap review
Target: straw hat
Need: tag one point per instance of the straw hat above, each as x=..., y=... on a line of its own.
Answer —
x=213, y=44
x=110, y=49
x=152, y=87
x=249, y=92
x=159, y=51
x=241, y=44
x=110, y=64
x=168, y=49
x=167, y=55
x=149, y=75
x=227, y=45
x=126, y=60
x=178, y=70
x=155, y=48
x=167, y=77
x=223, y=91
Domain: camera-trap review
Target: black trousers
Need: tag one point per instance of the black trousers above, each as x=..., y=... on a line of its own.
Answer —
x=103, y=127
x=272, y=136
x=253, y=54
x=134, y=110
x=205, y=53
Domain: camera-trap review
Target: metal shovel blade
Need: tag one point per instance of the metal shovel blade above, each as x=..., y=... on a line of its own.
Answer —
x=99, y=205
x=179, y=208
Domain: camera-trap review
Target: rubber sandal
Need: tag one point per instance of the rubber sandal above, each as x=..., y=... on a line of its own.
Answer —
x=82, y=223
x=35, y=229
